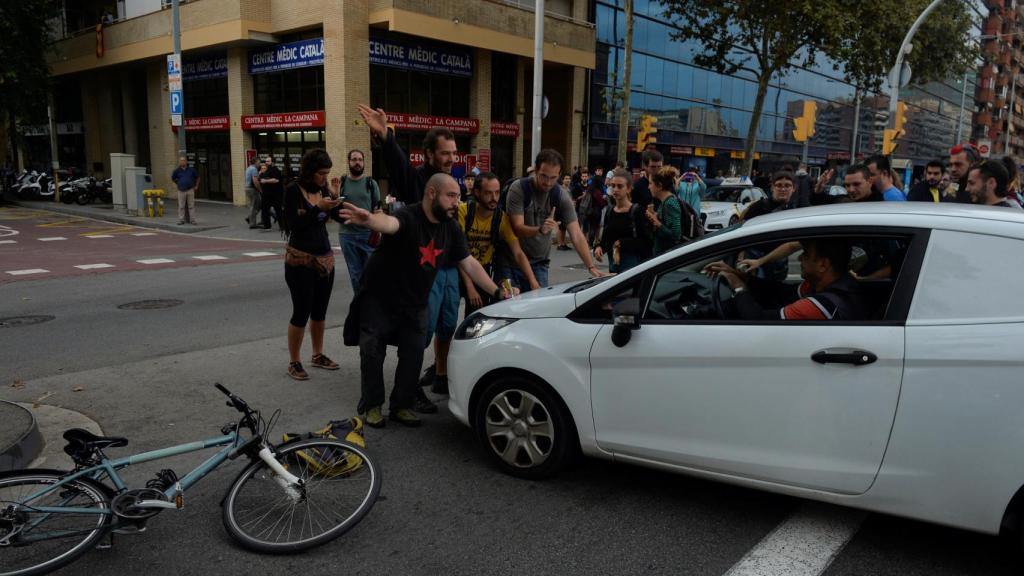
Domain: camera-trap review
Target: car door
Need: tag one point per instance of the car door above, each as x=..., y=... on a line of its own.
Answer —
x=745, y=398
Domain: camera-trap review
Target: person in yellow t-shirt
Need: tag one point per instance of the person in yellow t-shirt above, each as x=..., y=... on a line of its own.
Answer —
x=485, y=194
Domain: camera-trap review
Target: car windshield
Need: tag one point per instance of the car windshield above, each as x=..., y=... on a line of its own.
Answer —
x=725, y=193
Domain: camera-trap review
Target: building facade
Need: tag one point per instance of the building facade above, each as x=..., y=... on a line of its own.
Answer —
x=703, y=116
x=998, y=120
x=276, y=78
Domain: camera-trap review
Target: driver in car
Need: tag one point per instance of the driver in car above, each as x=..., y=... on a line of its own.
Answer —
x=828, y=291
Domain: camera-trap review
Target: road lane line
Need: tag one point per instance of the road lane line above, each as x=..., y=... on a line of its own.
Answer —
x=156, y=261
x=805, y=544
x=93, y=266
x=8, y=241
x=98, y=235
x=52, y=238
x=259, y=254
x=24, y=272
x=210, y=257
x=143, y=233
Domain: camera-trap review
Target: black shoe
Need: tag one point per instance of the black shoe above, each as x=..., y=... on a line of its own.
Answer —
x=423, y=405
x=440, y=385
x=428, y=376
x=247, y=220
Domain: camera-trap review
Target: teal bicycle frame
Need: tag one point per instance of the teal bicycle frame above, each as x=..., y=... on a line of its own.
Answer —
x=109, y=468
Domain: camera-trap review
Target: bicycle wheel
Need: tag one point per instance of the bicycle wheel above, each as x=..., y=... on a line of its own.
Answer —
x=341, y=484
x=41, y=542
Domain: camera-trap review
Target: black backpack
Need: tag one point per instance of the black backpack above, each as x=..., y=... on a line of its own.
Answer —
x=554, y=197
x=689, y=220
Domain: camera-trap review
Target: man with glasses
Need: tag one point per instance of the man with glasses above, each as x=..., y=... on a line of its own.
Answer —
x=536, y=204
x=783, y=184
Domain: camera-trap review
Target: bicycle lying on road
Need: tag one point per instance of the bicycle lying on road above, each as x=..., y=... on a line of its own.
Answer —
x=289, y=498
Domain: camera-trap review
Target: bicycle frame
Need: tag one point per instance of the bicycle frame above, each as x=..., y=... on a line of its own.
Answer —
x=110, y=467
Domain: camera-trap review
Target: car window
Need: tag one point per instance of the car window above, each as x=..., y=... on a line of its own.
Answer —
x=688, y=293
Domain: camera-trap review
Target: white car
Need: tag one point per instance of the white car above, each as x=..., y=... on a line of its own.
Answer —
x=723, y=205
x=916, y=410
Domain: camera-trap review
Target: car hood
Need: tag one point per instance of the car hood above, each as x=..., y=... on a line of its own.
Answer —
x=551, y=302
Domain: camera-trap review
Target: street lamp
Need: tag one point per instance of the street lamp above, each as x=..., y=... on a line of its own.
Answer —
x=899, y=76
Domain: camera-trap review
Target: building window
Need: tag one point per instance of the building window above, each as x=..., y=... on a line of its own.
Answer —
x=503, y=87
x=207, y=97
x=294, y=90
x=417, y=93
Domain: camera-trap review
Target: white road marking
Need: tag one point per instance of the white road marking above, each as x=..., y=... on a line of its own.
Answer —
x=143, y=233
x=24, y=272
x=156, y=261
x=805, y=544
x=99, y=236
x=93, y=266
x=259, y=254
x=52, y=238
x=210, y=257
x=8, y=241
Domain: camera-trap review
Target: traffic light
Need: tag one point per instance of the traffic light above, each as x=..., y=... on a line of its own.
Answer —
x=804, y=129
x=891, y=135
x=643, y=135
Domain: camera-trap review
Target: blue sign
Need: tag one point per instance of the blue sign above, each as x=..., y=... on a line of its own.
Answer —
x=287, y=56
x=207, y=66
x=421, y=57
x=177, y=102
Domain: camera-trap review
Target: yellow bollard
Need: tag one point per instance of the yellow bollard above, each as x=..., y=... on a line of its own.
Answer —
x=149, y=202
x=160, y=203
x=154, y=202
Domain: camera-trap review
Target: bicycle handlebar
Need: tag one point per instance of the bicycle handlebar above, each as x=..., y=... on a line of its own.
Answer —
x=233, y=401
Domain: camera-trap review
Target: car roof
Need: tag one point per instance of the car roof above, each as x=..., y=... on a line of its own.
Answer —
x=965, y=217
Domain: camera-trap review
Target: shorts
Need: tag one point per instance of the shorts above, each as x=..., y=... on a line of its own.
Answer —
x=443, y=306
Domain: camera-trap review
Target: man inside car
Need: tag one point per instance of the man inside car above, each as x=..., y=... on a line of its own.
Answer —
x=828, y=291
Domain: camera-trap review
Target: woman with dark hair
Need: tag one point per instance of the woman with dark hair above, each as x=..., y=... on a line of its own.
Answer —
x=1013, y=184
x=624, y=234
x=309, y=259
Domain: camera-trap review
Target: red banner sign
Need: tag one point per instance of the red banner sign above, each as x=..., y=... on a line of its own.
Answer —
x=207, y=124
x=483, y=161
x=681, y=151
x=417, y=158
x=424, y=122
x=285, y=121
x=838, y=155
x=505, y=129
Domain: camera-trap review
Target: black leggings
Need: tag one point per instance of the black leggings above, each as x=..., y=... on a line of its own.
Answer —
x=310, y=294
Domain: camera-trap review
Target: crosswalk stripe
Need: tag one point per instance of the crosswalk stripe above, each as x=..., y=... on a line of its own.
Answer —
x=210, y=257
x=93, y=266
x=259, y=254
x=8, y=241
x=52, y=238
x=143, y=233
x=99, y=236
x=156, y=261
x=24, y=272
x=805, y=544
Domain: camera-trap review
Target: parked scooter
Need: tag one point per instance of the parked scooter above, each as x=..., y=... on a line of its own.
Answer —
x=77, y=190
x=93, y=189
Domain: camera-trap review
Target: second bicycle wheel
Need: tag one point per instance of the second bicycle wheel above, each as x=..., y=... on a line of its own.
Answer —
x=341, y=484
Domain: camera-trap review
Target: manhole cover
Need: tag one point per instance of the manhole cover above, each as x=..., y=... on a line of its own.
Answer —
x=151, y=304
x=16, y=321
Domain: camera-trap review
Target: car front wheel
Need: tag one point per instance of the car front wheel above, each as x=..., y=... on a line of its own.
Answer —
x=525, y=428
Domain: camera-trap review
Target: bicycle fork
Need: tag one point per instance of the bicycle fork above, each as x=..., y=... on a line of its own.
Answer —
x=291, y=484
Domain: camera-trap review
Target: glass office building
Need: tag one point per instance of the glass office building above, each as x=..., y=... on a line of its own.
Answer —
x=703, y=116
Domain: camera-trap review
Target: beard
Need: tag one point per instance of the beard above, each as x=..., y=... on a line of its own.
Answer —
x=355, y=170
x=440, y=213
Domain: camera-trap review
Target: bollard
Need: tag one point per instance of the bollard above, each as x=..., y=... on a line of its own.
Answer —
x=154, y=202
x=149, y=202
x=160, y=203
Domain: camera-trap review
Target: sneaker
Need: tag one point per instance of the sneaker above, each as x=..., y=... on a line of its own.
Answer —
x=296, y=371
x=423, y=405
x=405, y=417
x=247, y=220
x=181, y=222
x=375, y=418
x=322, y=361
x=564, y=247
x=440, y=385
x=428, y=376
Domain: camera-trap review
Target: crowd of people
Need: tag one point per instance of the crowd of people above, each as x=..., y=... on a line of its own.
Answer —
x=414, y=255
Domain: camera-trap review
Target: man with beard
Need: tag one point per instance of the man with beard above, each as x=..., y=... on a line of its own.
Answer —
x=272, y=184
x=407, y=184
x=359, y=190
x=391, y=307
x=961, y=158
x=929, y=189
x=986, y=183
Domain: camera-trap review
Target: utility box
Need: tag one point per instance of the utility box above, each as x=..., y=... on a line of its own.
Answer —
x=118, y=163
x=135, y=181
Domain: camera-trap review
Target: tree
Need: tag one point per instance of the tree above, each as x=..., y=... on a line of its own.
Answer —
x=626, y=78
x=767, y=39
x=25, y=39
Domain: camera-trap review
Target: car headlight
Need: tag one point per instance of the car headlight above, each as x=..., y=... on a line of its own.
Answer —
x=479, y=325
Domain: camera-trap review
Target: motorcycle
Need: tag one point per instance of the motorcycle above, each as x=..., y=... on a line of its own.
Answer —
x=76, y=190
x=93, y=189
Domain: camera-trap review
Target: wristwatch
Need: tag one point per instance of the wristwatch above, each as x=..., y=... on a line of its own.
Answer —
x=497, y=293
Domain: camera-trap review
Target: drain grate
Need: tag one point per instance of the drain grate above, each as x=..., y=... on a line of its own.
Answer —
x=151, y=304
x=18, y=321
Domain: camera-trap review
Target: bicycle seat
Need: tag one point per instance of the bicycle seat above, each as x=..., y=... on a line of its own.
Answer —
x=79, y=439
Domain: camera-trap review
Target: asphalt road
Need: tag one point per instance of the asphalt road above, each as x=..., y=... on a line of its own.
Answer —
x=148, y=375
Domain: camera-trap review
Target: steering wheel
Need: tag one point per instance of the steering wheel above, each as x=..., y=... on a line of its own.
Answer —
x=716, y=297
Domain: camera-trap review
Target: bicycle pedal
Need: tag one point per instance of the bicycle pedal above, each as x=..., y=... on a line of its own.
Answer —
x=128, y=530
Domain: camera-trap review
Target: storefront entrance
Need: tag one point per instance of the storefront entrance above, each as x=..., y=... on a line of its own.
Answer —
x=210, y=154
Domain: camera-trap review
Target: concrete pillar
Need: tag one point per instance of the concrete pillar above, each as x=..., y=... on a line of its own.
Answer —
x=480, y=98
x=240, y=101
x=576, y=154
x=111, y=124
x=346, y=80
x=163, y=143
x=517, y=152
x=128, y=104
x=91, y=125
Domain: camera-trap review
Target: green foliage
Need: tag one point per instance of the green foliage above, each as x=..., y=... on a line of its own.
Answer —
x=25, y=39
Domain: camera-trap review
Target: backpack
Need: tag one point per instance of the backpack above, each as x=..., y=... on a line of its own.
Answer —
x=690, y=224
x=586, y=204
x=554, y=197
x=495, y=221
x=330, y=462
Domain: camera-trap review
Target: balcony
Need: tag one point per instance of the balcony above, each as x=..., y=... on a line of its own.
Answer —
x=992, y=26
x=983, y=118
x=984, y=95
x=1004, y=57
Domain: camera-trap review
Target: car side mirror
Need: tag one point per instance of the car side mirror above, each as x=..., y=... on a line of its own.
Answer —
x=625, y=319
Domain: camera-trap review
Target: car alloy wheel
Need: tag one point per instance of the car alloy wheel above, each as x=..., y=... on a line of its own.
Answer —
x=524, y=428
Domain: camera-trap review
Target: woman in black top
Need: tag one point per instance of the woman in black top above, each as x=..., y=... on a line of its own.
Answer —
x=624, y=233
x=309, y=260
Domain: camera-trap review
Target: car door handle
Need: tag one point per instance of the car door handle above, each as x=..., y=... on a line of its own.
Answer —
x=844, y=356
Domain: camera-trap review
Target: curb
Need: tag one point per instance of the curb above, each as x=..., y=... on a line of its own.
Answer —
x=115, y=217
x=26, y=448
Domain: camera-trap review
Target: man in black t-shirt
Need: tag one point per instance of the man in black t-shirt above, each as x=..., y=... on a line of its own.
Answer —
x=391, y=306
x=272, y=182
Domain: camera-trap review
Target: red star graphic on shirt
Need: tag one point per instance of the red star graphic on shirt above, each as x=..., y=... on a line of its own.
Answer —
x=429, y=254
